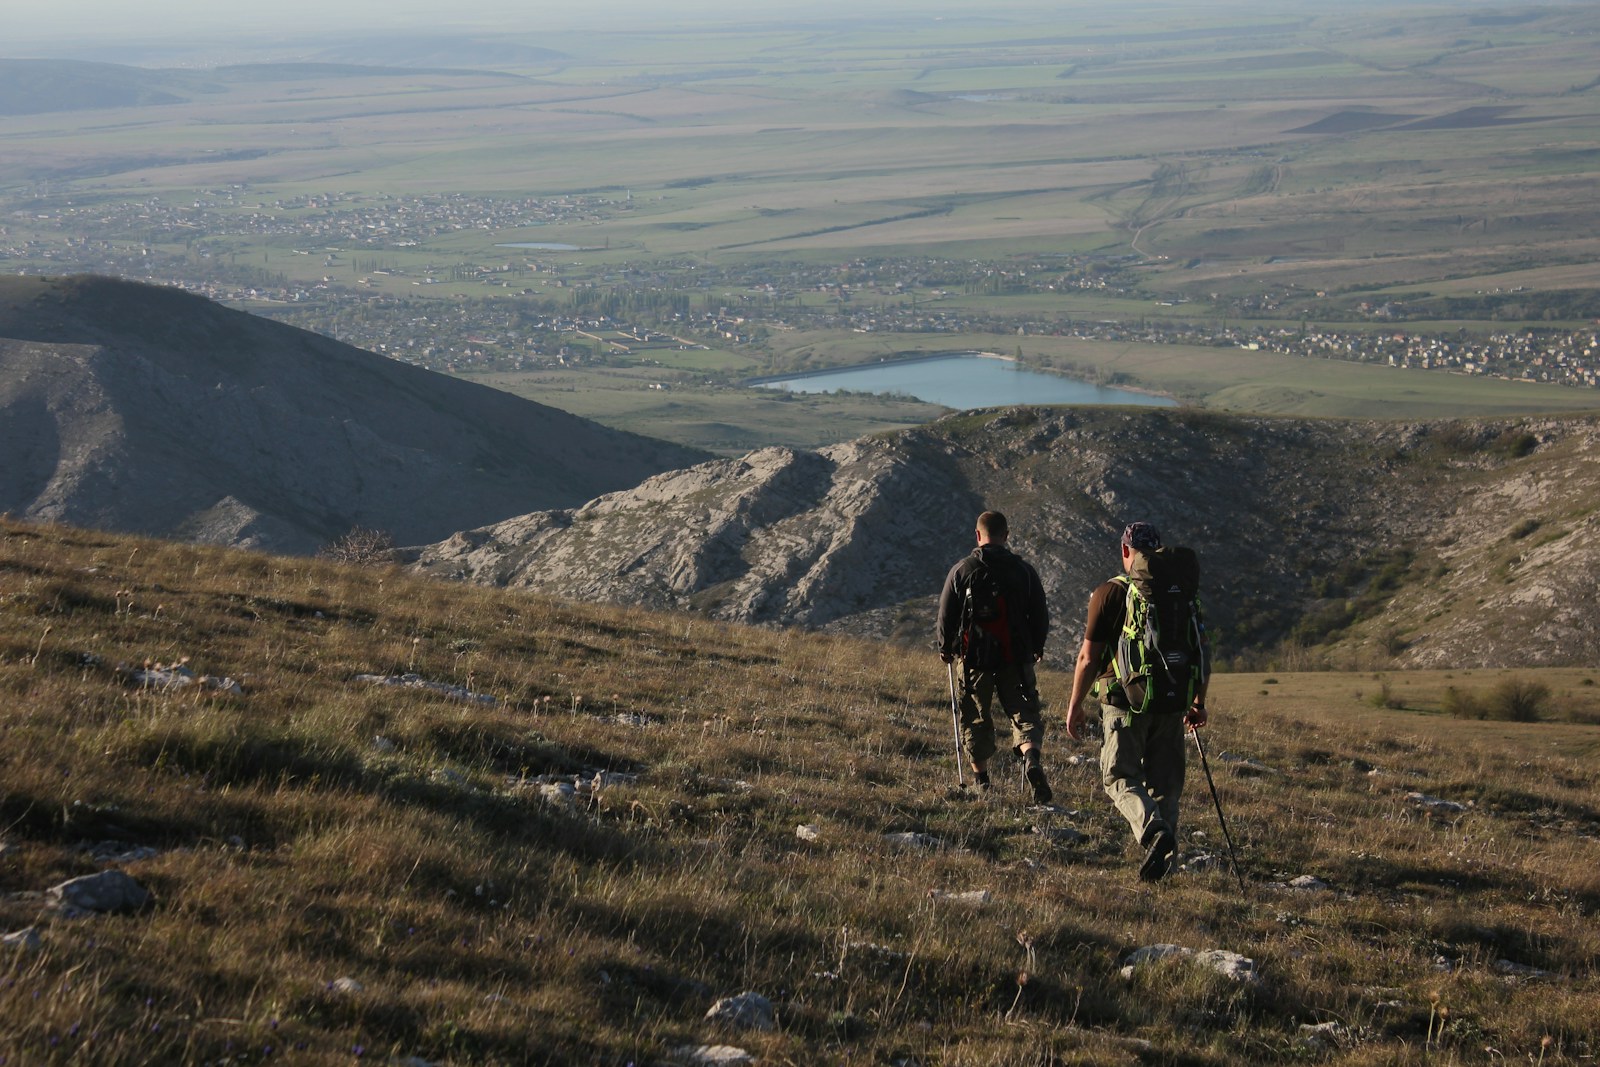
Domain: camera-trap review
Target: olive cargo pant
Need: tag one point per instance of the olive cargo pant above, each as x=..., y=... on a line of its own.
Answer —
x=1018, y=690
x=1142, y=767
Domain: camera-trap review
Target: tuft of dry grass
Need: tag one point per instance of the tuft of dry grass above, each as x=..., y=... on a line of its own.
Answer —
x=308, y=827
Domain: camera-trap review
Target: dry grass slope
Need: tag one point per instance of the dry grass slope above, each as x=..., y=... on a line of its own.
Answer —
x=312, y=827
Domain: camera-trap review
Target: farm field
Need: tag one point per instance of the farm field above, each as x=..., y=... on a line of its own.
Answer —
x=773, y=186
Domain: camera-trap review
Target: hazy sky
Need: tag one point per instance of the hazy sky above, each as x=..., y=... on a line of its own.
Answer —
x=29, y=23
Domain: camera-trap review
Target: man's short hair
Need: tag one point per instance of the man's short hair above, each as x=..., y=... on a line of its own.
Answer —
x=1141, y=537
x=993, y=524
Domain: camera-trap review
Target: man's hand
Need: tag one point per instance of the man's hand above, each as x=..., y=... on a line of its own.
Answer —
x=1195, y=717
x=948, y=657
x=1075, y=720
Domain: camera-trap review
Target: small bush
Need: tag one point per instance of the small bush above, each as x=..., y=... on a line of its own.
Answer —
x=362, y=547
x=1385, y=698
x=1515, y=700
x=1461, y=705
x=1524, y=528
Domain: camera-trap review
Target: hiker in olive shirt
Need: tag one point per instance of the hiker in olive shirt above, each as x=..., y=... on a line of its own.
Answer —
x=1142, y=757
x=998, y=646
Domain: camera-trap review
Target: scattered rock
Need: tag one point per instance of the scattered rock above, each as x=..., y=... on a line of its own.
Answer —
x=1308, y=883
x=1061, y=835
x=1201, y=862
x=747, y=1011
x=711, y=1055
x=558, y=794
x=176, y=676
x=925, y=842
x=383, y=745
x=971, y=898
x=1247, y=766
x=808, y=832
x=448, y=776
x=1151, y=954
x=416, y=681
x=1519, y=970
x=106, y=892
x=1228, y=964
x=25, y=939
x=605, y=780
x=1325, y=1037
x=347, y=986
x=120, y=852
x=1435, y=803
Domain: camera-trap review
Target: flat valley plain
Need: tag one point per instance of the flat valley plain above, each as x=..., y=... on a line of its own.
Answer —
x=1282, y=167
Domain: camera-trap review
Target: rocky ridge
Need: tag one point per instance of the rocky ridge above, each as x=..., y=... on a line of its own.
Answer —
x=1429, y=544
x=148, y=410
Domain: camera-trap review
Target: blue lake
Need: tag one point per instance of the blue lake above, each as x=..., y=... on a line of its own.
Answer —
x=962, y=382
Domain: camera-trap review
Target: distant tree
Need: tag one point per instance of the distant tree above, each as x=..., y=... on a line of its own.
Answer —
x=361, y=546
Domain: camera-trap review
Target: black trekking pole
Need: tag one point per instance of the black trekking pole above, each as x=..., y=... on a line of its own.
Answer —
x=955, y=723
x=1233, y=857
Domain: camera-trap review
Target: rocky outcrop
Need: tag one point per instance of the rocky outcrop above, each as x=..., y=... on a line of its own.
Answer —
x=1469, y=543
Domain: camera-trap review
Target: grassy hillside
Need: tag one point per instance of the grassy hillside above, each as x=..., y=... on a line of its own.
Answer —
x=577, y=871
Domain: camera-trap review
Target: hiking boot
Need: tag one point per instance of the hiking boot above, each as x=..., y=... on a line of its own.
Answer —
x=981, y=780
x=1040, y=784
x=1158, y=856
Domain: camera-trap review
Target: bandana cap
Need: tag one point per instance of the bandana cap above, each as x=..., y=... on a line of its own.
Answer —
x=1141, y=536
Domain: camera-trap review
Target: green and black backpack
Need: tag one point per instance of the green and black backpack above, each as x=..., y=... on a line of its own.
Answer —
x=1160, y=657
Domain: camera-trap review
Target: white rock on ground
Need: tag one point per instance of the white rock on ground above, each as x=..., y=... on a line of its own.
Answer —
x=1228, y=964
x=1435, y=803
x=712, y=1055
x=108, y=891
x=907, y=839
x=971, y=898
x=26, y=939
x=747, y=1011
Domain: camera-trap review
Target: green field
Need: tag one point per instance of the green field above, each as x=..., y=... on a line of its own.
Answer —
x=1293, y=165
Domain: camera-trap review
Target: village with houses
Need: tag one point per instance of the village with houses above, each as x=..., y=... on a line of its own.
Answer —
x=367, y=269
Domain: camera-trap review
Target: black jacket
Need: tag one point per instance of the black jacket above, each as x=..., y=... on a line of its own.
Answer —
x=1020, y=582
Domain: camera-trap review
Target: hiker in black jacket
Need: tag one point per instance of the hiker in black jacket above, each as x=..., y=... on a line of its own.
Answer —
x=993, y=615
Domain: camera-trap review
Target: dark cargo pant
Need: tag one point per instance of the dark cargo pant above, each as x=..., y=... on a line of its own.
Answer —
x=1018, y=690
x=1142, y=764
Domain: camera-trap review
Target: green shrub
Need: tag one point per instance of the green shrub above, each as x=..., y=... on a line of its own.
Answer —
x=1515, y=700
x=1462, y=705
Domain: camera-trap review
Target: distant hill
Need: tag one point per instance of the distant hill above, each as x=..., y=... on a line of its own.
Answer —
x=1441, y=544
x=278, y=72
x=37, y=86
x=150, y=410
x=433, y=50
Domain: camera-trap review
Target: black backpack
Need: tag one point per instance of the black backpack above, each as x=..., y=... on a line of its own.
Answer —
x=989, y=614
x=1161, y=656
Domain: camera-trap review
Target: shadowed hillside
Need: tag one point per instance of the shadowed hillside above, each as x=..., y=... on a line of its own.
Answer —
x=272, y=810
x=139, y=408
x=1368, y=544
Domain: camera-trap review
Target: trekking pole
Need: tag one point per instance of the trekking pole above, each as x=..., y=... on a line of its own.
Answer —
x=1233, y=857
x=955, y=723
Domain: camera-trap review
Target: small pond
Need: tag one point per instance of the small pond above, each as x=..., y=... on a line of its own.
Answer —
x=961, y=381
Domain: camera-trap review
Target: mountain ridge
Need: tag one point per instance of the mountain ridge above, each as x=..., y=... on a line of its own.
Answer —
x=148, y=409
x=1373, y=543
